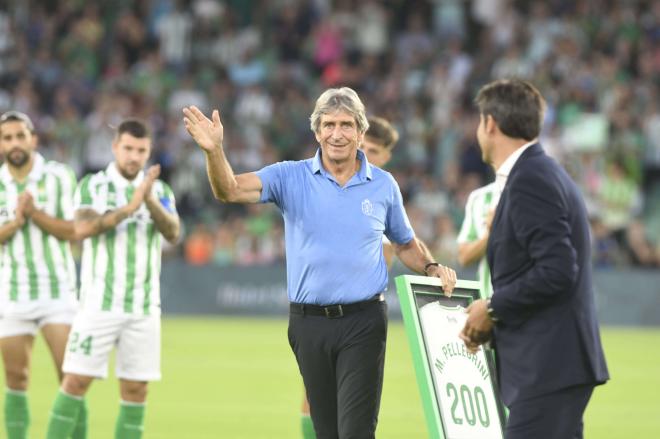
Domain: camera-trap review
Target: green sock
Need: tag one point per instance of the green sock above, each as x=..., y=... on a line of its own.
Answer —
x=64, y=416
x=80, y=430
x=17, y=414
x=307, y=427
x=130, y=422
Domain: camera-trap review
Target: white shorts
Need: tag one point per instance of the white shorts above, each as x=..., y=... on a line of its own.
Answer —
x=11, y=326
x=93, y=336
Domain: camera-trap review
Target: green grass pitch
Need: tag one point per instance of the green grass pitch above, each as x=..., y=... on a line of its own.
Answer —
x=236, y=378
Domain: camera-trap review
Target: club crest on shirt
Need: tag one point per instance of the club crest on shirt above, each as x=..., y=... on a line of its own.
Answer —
x=367, y=207
x=42, y=195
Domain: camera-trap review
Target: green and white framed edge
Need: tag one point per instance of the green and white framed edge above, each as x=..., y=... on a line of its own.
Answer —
x=458, y=390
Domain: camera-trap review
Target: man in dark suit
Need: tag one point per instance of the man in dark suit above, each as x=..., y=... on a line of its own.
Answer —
x=542, y=316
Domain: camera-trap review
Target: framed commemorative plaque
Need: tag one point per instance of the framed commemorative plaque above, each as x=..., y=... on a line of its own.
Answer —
x=458, y=389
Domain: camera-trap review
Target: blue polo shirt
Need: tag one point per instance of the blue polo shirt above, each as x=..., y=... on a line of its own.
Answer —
x=334, y=234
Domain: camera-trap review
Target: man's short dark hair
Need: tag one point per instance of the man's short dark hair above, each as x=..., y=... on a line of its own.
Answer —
x=134, y=127
x=17, y=116
x=382, y=132
x=516, y=106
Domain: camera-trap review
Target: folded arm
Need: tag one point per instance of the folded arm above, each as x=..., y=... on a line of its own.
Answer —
x=167, y=223
x=59, y=228
x=471, y=252
x=9, y=229
x=89, y=222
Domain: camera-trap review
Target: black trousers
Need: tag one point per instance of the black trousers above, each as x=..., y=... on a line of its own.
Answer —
x=341, y=361
x=557, y=415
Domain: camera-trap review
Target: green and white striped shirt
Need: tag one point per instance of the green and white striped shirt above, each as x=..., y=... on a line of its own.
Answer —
x=479, y=203
x=120, y=269
x=38, y=274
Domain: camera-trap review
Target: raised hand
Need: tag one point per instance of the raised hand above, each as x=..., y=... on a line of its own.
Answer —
x=19, y=216
x=207, y=133
x=25, y=204
x=150, y=176
x=144, y=189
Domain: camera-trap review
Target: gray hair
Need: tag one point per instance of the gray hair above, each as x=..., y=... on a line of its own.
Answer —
x=334, y=99
x=17, y=116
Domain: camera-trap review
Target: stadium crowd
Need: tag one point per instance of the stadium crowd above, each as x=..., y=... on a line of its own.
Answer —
x=78, y=67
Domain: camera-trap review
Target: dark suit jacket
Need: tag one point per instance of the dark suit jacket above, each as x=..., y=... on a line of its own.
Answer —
x=539, y=253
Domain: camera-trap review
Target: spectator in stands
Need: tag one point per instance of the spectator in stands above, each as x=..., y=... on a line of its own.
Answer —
x=111, y=59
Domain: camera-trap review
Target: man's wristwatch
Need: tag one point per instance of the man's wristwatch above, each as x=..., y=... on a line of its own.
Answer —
x=429, y=265
x=491, y=312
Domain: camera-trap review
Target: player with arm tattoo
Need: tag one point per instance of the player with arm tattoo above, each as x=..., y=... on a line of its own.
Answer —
x=121, y=214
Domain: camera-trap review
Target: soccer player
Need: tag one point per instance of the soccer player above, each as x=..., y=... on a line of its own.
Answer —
x=336, y=208
x=121, y=213
x=473, y=237
x=38, y=277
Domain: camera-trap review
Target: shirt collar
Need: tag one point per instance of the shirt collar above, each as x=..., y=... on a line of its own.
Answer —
x=505, y=168
x=364, y=173
x=5, y=176
x=118, y=179
x=36, y=173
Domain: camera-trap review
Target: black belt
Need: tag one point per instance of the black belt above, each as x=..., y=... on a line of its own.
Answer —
x=333, y=311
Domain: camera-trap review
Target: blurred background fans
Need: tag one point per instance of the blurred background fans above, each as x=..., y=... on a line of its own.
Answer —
x=76, y=67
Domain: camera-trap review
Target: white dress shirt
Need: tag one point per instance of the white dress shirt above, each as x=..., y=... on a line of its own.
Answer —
x=502, y=173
